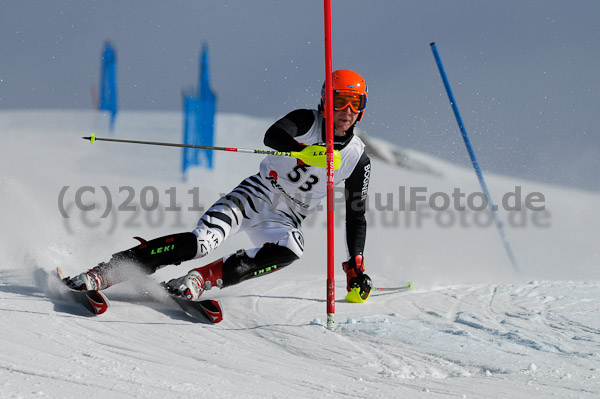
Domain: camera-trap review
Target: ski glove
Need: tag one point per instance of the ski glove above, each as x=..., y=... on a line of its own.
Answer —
x=358, y=283
x=315, y=155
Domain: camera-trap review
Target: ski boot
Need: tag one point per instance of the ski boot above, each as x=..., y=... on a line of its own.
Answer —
x=94, y=279
x=231, y=270
x=192, y=285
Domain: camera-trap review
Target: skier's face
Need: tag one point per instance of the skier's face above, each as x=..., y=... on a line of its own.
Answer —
x=342, y=120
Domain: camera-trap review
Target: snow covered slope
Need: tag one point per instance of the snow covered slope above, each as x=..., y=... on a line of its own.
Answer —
x=472, y=328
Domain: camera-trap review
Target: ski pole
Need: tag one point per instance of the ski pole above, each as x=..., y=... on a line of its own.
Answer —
x=313, y=155
x=467, y=141
x=408, y=286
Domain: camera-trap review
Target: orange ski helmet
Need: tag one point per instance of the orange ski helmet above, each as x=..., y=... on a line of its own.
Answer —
x=349, y=90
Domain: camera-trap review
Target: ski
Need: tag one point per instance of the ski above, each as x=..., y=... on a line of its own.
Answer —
x=206, y=310
x=94, y=301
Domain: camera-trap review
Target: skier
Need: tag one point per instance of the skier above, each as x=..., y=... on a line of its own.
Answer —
x=269, y=206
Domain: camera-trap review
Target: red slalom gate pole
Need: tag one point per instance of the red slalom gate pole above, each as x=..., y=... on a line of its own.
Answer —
x=330, y=186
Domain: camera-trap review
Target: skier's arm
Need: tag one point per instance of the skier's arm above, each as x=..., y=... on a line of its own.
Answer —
x=358, y=282
x=280, y=136
x=357, y=186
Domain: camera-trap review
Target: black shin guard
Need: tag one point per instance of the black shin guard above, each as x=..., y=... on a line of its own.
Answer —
x=270, y=258
x=151, y=255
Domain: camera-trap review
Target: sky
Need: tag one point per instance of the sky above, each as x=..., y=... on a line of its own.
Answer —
x=524, y=73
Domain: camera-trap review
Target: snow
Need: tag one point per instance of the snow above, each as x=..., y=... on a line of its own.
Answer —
x=472, y=328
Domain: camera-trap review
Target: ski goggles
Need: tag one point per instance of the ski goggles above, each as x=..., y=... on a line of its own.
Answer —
x=356, y=102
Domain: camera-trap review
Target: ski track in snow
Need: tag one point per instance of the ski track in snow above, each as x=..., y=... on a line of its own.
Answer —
x=532, y=340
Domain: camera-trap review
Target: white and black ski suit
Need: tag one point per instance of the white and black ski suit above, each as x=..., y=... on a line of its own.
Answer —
x=271, y=205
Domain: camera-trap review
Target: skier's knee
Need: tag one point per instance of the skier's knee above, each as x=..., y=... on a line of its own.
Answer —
x=293, y=241
x=207, y=238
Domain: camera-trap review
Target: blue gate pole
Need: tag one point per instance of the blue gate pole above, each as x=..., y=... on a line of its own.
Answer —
x=108, y=83
x=191, y=115
x=208, y=108
x=467, y=141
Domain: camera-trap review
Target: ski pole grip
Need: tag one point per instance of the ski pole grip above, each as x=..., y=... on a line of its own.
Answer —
x=316, y=155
